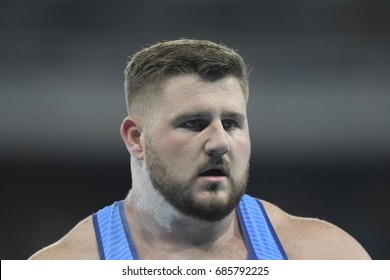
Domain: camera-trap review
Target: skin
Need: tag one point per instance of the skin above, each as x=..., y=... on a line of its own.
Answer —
x=216, y=128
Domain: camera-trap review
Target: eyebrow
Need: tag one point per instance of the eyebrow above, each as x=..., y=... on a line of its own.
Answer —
x=205, y=114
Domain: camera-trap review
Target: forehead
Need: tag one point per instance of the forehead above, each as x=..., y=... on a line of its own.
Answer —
x=190, y=92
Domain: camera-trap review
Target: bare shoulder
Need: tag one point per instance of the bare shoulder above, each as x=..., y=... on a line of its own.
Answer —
x=310, y=238
x=79, y=243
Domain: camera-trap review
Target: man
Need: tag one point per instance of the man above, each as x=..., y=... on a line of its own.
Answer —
x=188, y=136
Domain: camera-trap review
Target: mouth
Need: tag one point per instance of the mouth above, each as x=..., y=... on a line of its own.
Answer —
x=214, y=177
x=214, y=171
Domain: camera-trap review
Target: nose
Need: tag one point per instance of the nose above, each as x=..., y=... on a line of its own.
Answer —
x=217, y=143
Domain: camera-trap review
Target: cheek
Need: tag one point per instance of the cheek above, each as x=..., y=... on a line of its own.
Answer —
x=178, y=156
x=247, y=148
x=174, y=147
x=242, y=151
x=242, y=142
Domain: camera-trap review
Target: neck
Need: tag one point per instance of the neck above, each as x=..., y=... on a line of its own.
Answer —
x=161, y=222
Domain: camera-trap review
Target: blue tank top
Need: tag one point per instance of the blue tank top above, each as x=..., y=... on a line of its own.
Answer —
x=115, y=242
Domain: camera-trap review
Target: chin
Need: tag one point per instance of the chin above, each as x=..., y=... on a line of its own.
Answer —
x=208, y=205
x=212, y=193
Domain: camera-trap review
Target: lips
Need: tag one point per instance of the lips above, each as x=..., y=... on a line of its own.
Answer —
x=214, y=171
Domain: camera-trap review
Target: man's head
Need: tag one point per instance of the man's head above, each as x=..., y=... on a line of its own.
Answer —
x=151, y=66
x=192, y=139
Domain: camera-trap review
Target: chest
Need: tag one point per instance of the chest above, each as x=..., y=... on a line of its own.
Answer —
x=233, y=250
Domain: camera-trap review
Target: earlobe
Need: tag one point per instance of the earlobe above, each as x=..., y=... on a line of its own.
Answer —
x=131, y=131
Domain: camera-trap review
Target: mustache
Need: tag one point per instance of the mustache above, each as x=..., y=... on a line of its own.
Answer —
x=221, y=162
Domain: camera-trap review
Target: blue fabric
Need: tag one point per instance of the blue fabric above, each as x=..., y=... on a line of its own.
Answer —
x=260, y=238
x=112, y=232
x=115, y=242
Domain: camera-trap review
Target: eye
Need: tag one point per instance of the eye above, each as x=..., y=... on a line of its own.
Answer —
x=229, y=124
x=196, y=125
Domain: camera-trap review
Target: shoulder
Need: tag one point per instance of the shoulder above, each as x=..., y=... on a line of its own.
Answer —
x=79, y=243
x=310, y=238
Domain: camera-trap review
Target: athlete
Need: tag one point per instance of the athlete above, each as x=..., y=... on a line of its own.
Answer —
x=188, y=136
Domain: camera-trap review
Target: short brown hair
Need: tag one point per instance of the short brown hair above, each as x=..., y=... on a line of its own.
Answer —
x=152, y=65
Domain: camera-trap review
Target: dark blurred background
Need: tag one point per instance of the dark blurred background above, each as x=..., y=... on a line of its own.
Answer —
x=319, y=107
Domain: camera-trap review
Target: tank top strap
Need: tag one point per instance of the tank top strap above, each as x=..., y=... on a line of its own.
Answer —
x=113, y=234
x=259, y=235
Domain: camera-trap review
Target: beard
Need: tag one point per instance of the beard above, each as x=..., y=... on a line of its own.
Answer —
x=178, y=193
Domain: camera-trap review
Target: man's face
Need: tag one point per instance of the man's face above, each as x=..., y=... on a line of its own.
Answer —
x=197, y=145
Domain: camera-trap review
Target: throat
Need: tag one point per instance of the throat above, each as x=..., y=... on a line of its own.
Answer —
x=190, y=240
x=147, y=205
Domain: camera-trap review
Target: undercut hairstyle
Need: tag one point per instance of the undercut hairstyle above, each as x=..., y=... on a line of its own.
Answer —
x=151, y=66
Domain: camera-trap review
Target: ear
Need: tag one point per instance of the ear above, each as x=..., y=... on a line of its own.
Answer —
x=131, y=131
